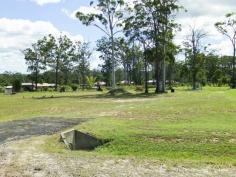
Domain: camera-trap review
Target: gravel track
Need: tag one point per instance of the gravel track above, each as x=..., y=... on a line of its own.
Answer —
x=21, y=129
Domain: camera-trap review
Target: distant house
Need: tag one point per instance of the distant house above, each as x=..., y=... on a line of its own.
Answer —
x=45, y=86
x=152, y=82
x=101, y=83
x=41, y=86
x=27, y=86
x=125, y=82
x=8, y=90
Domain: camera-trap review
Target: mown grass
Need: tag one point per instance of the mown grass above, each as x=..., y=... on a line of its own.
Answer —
x=187, y=126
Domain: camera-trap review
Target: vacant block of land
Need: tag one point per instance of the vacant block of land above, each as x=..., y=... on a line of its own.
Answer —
x=192, y=128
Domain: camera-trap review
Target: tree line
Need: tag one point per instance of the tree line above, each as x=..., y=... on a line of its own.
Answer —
x=137, y=46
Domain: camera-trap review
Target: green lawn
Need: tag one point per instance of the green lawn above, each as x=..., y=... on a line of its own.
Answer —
x=187, y=126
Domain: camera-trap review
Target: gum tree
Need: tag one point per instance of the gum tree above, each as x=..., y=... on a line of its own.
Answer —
x=82, y=56
x=107, y=17
x=35, y=59
x=155, y=18
x=228, y=29
x=193, y=44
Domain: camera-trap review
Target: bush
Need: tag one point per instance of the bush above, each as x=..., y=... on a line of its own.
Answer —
x=62, y=89
x=51, y=89
x=139, y=89
x=74, y=87
x=1, y=89
x=91, y=81
x=16, y=85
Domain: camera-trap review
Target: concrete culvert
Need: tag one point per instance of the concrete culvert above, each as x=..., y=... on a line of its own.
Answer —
x=76, y=140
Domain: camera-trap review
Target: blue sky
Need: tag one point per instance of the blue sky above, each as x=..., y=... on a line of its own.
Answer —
x=52, y=12
x=23, y=22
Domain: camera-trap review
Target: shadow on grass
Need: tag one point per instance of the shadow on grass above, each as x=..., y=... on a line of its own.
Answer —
x=101, y=96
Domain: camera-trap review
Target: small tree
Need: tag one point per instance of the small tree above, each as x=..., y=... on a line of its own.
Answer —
x=228, y=29
x=91, y=81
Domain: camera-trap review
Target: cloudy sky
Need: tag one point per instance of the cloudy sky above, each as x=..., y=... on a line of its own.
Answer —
x=24, y=21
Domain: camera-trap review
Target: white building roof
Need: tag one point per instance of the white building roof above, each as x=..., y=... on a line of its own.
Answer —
x=8, y=87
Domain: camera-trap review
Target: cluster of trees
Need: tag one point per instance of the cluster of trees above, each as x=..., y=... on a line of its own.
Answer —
x=148, y=27
x=137, y=46
x=139, y=36
x=61, y=58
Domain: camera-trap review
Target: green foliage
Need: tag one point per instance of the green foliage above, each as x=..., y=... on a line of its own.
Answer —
x=228, y=29
x=108, y=20
x=62, y=89
x=16, y=85
x=1, y=89
x=139, y=89
x=74, y=87
x=82, y=63
x=91, y=81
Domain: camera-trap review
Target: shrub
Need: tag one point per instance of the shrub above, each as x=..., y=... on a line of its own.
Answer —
x=139, y=89
x=62, y=89
x=74, y=87
x=1, y=89
x=91, y=81
x=16, y=85
x=51, y=89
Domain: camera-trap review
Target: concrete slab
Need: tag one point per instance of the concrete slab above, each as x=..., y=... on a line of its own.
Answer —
x=76, y=140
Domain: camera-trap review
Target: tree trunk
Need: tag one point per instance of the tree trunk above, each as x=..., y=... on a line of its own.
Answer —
x=145, y=69
x=158, y=68
x=170, y=75
x=113, y=63
x=36, y=79
x=36, y=73
x=164, y=56
x=83, y=80
x=234, y=58
x=57, y=68
x=194, y=75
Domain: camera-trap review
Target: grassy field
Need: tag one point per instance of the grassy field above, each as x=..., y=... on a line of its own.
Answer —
x=187, y=126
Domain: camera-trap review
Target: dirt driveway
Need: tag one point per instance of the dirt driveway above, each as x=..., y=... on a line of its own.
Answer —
x=22, y=158
x=20, y=129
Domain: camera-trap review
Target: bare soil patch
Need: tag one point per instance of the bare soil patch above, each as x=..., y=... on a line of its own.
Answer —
x=19, y=160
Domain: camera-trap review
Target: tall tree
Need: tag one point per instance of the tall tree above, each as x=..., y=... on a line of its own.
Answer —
x=35, y=60
x=125, y=56
x=60, y=56
x=136, y=29
x=104, y=47
x=110, y=16
x=82, y=55
x=228, y=29
x=156, y=18
x=194, y=47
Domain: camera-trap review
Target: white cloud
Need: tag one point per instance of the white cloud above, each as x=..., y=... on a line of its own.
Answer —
x=201, y=14
x=204, y=14
x=43, y=2
x=18, y=34
x=83, y=9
